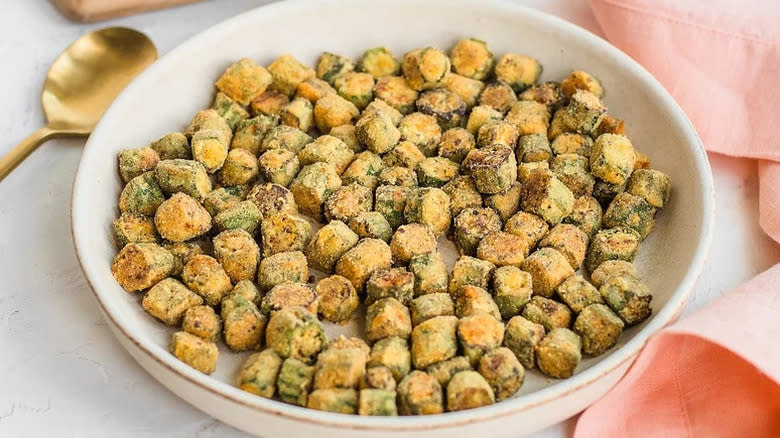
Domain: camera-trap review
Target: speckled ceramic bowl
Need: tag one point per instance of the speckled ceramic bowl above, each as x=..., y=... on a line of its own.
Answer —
x=165, y=97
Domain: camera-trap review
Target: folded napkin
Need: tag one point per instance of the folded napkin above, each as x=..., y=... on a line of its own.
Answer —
x=716, y=373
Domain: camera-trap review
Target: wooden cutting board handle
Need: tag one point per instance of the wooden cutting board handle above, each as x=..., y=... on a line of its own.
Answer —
x=95, y=10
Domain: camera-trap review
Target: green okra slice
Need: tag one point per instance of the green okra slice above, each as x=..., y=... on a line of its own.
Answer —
x=430, y=274
x=511, y=290
x=391, y=352
x=420, y=394
x=522, y=337
x=358, y=263
x=578, y=293
x=471, y=226
x=295, y=381
x=259, y=373
x=338, y=400
x=295, y=332
x=430, y=306
x=328, y=244
x=503, y=372
x=558, y=354
x=434, y=340
x=141, y=195
x=377, y=402
x=168, y=300
x=173, y=145
x=371, y=225
x=443, y=371
x=340, y=368
x=243, y=324
x=599, y=328
x=284, y=232
x=468, y=390
x=134, y=228
x=549, y=313
x=519, y=71
x=395, y=283
x=494, y=168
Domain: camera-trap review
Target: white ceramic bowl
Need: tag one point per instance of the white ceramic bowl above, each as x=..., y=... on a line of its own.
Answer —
x=165, y=97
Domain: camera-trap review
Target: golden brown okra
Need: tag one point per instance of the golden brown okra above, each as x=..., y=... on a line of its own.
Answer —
x=530, y=117
x=295, y=332
x=456, y=143
x=470, y=271
x=527, y=226
x=134, y=228
x=436, y=171
x=391, y=352
x=463, y=194
x=497, y=133
x=338, y=298
x=558, y=354
x=364, y=170
x=387, y=317
x=180, y=218
x=411, y=240
x=249, y=290
x=471, y=300
x=605, y=192
x=549, y=313
x=259, y=373
x=330, y=66
x=429, y=206
x=548, y=93
x=581, y=80
x=613, y=268
x=347, y=202
x=333, y=110
x=404, y=154
x=287, y=295
x=443, y=371
x=371, y=225
x=346, y=133
x=172, y=145
x=494, y=168
x=244, y=80
x=250, y=133
x=279, y=166
x=313, y=89
x=287, y=73
x=482, y=115
x=571, y=143
x=362, y=260
x=471, y=226
x=379, y=62
x=396, y=92
x=585, y=215
x=269, y=103
x=569, y=241
x=229, y=109
x=430, y=306
x=194, y=351
x=425, y=68
x=244, y=215
x=377, y=402
x=206, y=277
x=471, y=58
x=478, y=334
x=356, y=87
x=327, y=149
x=329, y=244
x=134, y=162
x=651, y=185
x=298, y=113
x=272, y=198
x=420, y=394
x=240, y=168
x=430, y=274
x=502, y=249
x=338, y=400
x=139, y=266
x=243, y=324
x=546, y=196
x=283, y=267
x=498, y=95
x=312, y=187
x=285, y=137
x=506, y=203
x=512, y=289
x=612, y=158
x=168, y=300
x=447, y=107
x=238, y=253
x=628, y=297
x=396, y=283
x=398, y=176
x=434, y=341
x=548, y=268
x=572, y=170
x=599, y=329
x=423, y=130
x=294, y=381
x=182, y=253
x=379, y=377
x=340, y=368
x=466, y=88
x=141, y=195
x=522, y=337
x=519, y=71
x=502, y=371
x=629, y=211
x=578, y=293
x=202, y=321
x=612, y=244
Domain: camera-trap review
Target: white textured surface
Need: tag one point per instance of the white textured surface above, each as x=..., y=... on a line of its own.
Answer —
x=62, y=370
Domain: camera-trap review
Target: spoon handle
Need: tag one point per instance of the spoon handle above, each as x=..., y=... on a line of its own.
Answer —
x=29, y=144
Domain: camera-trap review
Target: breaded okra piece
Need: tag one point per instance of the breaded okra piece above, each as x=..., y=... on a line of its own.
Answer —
x=206, y=277
x=498, y=95
x=333, y=110
x=182, y=253
x=558, y=354
x=295, y=332
x=378, y=62
x=430, y=274
x=287, y=295
x=172, y=146
x=396, y=92
x=471, y=58
x=194, y=351
x=571, y=143
x=134, y=228
x=411, y=240
x=272, y=198
x=629, y=211
x=463, y=194
x=347, y=202
x=344, y=343
x=578, y=293
x=605, y=192
x=530, y=227
x=470, y=271
x=497, y=133
x=522, y=336
x=377, y=402
x=583, y=113
x=612, y=125
x=548, y=93
x=139, y=266
x=134, y=162
x=364, y=170
x=581, y=80
x=379, y=377
x=238, y=253
x=534, y=147
x=269, y=103
x=444, y=370
x=338, y=400
x=472, y=300
x=471, y=226
x=398, y=176
x=141, y=195
x=240, y=168
x=395, y=283
x=404, y=154
x=287, y=73
x=456, y=143
x=202, y=321
x=229, y=110
x=549, y=313
x=313, y=89
x=628, y=297
x=480, y=116
x=612, y=158
x=512, y=289
x=429, y=206
x=338, y=298
x=572, y=170
x=613, y=268
x=425, y=68
x=327, y=149
x=244, y=215
x=569, y=241
x=599, y=329
x=548, y=268
x=585, y=215
x=506, y=203
x=362, y=260
x=430, y=306
x=478, y=334
x=357, y=88
x=434, y=341
x=346, y=133
x=281, y=268
x=447, y=107
x=420, y=394
x=519, y=71
x=494, y=168
x=329, y=244
x=249, y=290
x=651, y=185
x=468, y=390
x=391, y=352
x=279, y=166
x=285, y=137
x=466, y=88
x=436, y=171
x=502, y=371
x=529, y=117
x=294, y=381
x=168, y=300
x=371, y=225
x=330, y=66
x=423, y=130
x=502, y=249
x=259, y=373
x=210, y=147
x=380, y=106
x=312, y=187
x=387, y=317
x=219, y=200
x=525, y=169
x=298, y=113
x=244, y=80
x=250, y=133
x=612, y=244
x=546, y=196
x=390, y=202
x=243, y=324
x=340, y=368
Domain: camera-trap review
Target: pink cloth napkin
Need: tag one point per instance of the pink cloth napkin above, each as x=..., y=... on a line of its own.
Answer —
x=716, y=373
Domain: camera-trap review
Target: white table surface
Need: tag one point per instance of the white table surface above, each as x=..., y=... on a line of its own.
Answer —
x=62, y=371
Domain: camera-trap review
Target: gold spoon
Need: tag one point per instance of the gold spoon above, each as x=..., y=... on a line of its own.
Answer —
x=81, y=84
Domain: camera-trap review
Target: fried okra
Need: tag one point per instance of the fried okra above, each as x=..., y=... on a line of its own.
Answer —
x=340, y=368
x=498, y=95
x=172, y=146
x=313, y=185
x=377, y=402
x=466, y=88
x=482, y=115
x=202, y=321
x=287, y=295
x=379, y=377
x=377, y=132
x=612, y=244
x=355, y=87
x=250, y=132
x=545, y=195
x=295, y=332
x=613, y=268
x=393, y=353
x=333, y=110
x=281, y=268
x=530, y=227
x=478, y=334
x=470, y=271
x=612, y=158
x=434, y=340
x=329, y=244
x=585, y=215
x=534, y=147
x=330, y=66
x=404, y=154
x=497, y=133
x=429, y=206
x=629, y=211
x=287, y=73
x=298, y=113
x=420, y=394
x=430, y=306
x=284, y=232
x=581, y=80
x=444, y=370
x=503, y=372
x=549, y=313
x=269, y=103
x=512, y=289
x=411, y=240
x=558, y=354
x=379, y=62
x=346, y=133
x=231, y=111
x=238, y=253
x=240, y=167
x=139, y=266
x=463, y=194
x=285, y=137
x=571, y=143
x=436, y=171
x=295, y=381
x=612, y=125
x=494, y=168
x=362, y=260
x=530, y=117
x=259, y=373
x=548, y=268
x=425, y=68
x=471, y=300
x=547, y=93
x=194, y=351
x=471, y=226
x=134, y=162
x=141, y=195
x=219, y=200
x=569, y=241
x=599, y=329
x=578, y=293
x=243, y=81
x=522, y=337
x=395, y=283
x=456, y=143
x=398, y=176
x=347, y=202
x=134, y=228
x=396, y=92
x=272, y=198
x=572, y=170
x=345, y=343
x=502, y=249
x=387, y=317
x=243, y=324
x=327, y=149
x=364, y=170
x=506, y=203
x=430, y=274
x=182, y=253
x=338, y=298
x=313, y=89
x=210, y=147
x=447, y=107
x=605, y=192
x=651, y=185
x=519, y=71
x=244, y=215
x=338, y=400
x=371, y=225
x=279, y=166
x=168, y=300
x=472, y=58
x=390, y=202
x=628, y=297
x=422, y=130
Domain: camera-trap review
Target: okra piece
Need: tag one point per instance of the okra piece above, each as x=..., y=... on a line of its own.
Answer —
x=434, y=341
x=295, y=381
x=141, y=195
x=219, y=200
x=250, y=133
x=338, y=299
x=629, y=298
x=398, y=176
x=340, y=368
x=364, y=170
x=396, y=92
x=404, y=154
x=272, y=198
x=529, y=117
x=346, y=133
x=182, y=253
x=355, y=87
x=344, y=343
x=395, y=283
x=525, y=169
x=387, y=317
x=572, y=170
x=194, y=351
x=279, y=166
x=285, y=137
x=312, y=187
x=605, y=192
x=329, y=244
x=429, y=206
x=420, y=394
x=549, y=313
x=651, y=185
x=578, y=293
x=380, y=106
x=444, y=370
x=393, y=353
x=379, y=62
x=548, y=268
x=522, y=337
x=470, y=271
x=471, y=226
x=506, y=203
x=502, y=249
x=471, y=300
x=377, y=402
x=269, y=103
x=425, y=68
x=534, y=147
x=330, y=66
x=243, y=324
x=478, y=334
x=629, y=211
x=259, y=373
x=134, y=228
x=139, y=266
x=585, y=215
x=371, y=225
x=612, y=244
x=583, y=113
x=168, y=300
x=203, y=322
x=499, y=96
x=313, y=89
x=240, y=168
x=512, y=289
x=497, y=133
x=612, y=125
x=436, y=171
x=569, y=241
x=571, y=143
x=430, y=274
x=186, y=176
x=238, y=253
x=447, y=107
x=494, y=168
x=547, y=93
x=295, y=332
x=287, y=73
x=340, y=401
x=612, y=158
x=472, y=58
x=347, y=202
x=613, y=268
x=599, y=329
x=362, y=260
x=519, y=71
x=530, y=227
x=134, y=162
x=245, y=215
x=172, y=146
x=333, y=110
x=206, y=277
x=327, y=149
x=379, y=377
x=411, y=240
x=390, y=202
x=581, y=80
x=281, y=268
x=244, y=80
x=545, y=195
x=298, y=113
x=503, y=372
x=463, y=194
x=480, y=116
x=430, y=306
x=287, y=295
x=423, y=130
x=466, y=88
x=558, y=354
x=248, y=290
x=456, y=143
x=210, y=147
x=228, y=109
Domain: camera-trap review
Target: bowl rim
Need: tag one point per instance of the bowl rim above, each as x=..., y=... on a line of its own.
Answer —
x=668, y=313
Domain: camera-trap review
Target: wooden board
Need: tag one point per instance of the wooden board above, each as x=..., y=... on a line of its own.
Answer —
x=95, y=10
